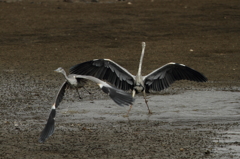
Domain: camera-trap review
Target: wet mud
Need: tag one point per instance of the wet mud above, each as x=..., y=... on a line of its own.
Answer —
x=189, y=120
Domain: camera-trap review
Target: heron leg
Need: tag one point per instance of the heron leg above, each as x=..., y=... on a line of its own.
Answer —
x=78, y=94
x=146, y=101
x=129, y=110
x=87, y=90
x=133, y=94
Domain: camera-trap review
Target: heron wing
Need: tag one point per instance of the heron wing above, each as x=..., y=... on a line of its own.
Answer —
x=118, y=96
x=164, y=76
x=49, y=127
x=91, y=78
x=60, y=94
x=106, y=69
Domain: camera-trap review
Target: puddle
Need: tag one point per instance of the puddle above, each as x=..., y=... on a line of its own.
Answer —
x=219, y=110
x=228, y=144
x=190, y=106
x=211, y=114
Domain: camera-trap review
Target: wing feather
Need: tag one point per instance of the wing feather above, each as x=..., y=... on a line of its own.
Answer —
x=49, y=127
x=164, y=76
x=118, y=96
x=60, y=94
x=106, y=69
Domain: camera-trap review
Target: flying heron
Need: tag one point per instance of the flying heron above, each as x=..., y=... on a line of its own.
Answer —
x=120, y=97
x=158, y=80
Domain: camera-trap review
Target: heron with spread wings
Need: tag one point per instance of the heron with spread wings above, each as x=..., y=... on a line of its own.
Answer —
x=120, y=97
x=159, y=79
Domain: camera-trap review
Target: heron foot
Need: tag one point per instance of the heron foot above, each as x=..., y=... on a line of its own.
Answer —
x=149, y=112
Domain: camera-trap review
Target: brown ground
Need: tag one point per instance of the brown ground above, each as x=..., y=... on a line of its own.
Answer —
x=38, y=36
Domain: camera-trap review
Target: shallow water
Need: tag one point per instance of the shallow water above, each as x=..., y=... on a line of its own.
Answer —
x=189, y=106
x=194, y=111
x=186, y=109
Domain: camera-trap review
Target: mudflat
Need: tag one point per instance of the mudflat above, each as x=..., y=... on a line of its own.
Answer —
x=189, y=120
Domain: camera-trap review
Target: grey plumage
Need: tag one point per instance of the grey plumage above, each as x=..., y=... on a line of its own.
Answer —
x=108, y=70
x=49, y=127
x=118, y=96
x=164, y=76
x=157, y=80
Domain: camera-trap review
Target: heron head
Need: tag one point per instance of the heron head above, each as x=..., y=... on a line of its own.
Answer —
x=59, y=70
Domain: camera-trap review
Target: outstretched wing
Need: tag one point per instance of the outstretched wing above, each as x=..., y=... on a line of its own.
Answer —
x=106, y=69
x=60, y=94
x=117, y=95
x=49, y=127
x=164, y=76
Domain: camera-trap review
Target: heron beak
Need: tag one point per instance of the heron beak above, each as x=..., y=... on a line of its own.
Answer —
x=57, y=70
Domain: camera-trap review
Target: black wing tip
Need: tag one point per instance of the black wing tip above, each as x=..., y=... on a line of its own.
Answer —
x=49, y=127
x=193, y=75
x=190, y=74
x=124, y=102
x=204, y=79
x=47, y=132
x=120, y=97
x=200, y=77
x=197, y=76
x=41, y=140
x=43, y=137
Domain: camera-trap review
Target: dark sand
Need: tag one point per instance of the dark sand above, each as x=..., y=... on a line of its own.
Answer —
x=190, y=120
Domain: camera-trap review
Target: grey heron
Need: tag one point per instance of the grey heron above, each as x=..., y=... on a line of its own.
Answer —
x=157, y=80
x=120, y=97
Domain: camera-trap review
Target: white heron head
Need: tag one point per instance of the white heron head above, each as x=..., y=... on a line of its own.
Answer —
x=59, y=70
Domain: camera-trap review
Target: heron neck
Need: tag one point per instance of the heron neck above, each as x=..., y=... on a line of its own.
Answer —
x=65, y=75
x=140, y=63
